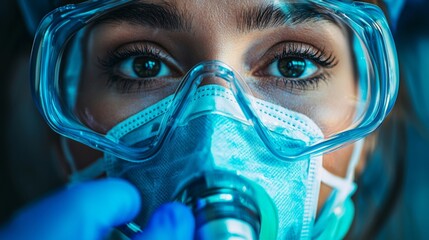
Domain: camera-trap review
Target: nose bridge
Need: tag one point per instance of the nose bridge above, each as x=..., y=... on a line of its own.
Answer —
x=212, y=88
x=212, y=72
x=213, y=79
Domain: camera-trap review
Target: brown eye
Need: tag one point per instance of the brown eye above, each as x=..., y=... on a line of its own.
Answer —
x=146, y=67
x=291, y=67
x=142, y=67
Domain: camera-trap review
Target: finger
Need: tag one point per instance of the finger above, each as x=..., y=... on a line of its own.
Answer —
x=84, y=211
x=170, y=221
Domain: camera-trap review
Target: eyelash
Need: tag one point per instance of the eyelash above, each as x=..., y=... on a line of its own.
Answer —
x=300, y=50
x=304, y=51
x=125, y=84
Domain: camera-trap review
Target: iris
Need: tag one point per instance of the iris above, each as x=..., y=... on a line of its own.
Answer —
x=146, y=67
x=291, y=67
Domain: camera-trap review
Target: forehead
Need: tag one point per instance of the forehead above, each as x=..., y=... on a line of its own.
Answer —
x=244, y=16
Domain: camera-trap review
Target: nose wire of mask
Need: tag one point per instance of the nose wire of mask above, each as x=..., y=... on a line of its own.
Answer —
x=213, y=136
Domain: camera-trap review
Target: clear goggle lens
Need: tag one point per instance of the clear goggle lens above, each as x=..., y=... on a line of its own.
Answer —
x=303, y=56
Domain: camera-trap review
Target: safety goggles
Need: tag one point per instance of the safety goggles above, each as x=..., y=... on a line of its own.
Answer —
x=98, y=63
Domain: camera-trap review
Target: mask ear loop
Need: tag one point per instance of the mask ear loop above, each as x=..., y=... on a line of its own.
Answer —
x=338, y=205
x=344, y=186
x=67, y=154
x=92, y=171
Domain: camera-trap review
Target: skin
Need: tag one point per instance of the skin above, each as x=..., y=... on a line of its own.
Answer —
x=248, y=52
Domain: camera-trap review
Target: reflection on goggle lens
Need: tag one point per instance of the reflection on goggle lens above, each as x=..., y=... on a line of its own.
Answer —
x=305, y=63
x=324, y=60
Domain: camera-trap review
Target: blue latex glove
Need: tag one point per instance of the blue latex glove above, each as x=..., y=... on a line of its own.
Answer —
x=88, y=211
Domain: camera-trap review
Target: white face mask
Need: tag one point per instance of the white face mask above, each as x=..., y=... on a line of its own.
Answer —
x=214, y=135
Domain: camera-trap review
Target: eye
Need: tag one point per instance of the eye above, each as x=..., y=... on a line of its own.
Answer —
x=143, y=67
x=292, y=67
x=140, y=67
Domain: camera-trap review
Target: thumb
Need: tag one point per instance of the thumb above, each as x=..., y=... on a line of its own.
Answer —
x=170, y=221
x=84, y=211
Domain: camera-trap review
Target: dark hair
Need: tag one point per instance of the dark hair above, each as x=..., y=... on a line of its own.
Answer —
x=378, y=194
x=25, y=155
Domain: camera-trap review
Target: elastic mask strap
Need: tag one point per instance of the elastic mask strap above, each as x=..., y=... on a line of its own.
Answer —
x=357, y=151
x=67, y=154
x=92, y=171
x=337, y=213
x=344, y=186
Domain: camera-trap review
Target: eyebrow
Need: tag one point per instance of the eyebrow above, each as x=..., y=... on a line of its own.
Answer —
x=168, y=17
x=163, y=16
x=270, y=16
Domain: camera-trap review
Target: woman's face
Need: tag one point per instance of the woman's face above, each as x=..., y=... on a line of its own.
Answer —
x=136, y=56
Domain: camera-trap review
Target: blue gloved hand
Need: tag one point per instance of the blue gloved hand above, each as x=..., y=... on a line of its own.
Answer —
x=90, y=210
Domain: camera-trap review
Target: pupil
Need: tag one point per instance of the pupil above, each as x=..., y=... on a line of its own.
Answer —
x=291, y=67
x=146, y=67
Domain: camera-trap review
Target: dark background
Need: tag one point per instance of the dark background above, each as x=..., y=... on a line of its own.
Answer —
x=393, y=205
